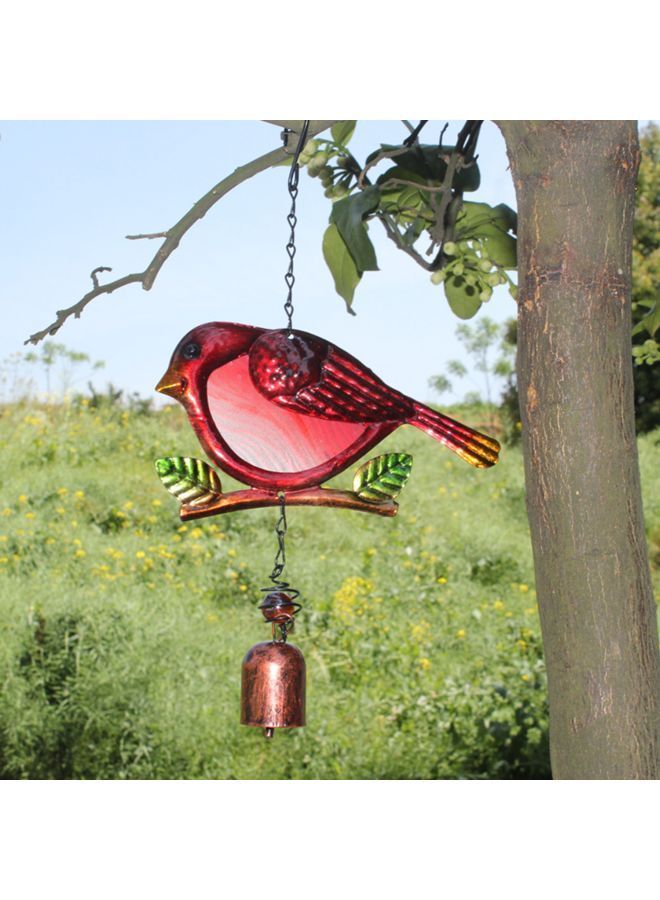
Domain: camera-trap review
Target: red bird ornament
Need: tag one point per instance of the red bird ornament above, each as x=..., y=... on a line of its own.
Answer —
x=286, y=411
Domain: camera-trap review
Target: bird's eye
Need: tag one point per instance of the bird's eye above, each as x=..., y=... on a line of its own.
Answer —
x=191, y=351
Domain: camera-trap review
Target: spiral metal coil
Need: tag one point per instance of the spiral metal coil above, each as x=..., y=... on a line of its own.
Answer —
x=279, y=606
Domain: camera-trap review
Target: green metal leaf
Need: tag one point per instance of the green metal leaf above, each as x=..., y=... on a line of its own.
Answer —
x=383, y=477
x=192, y=481
x=341, y=264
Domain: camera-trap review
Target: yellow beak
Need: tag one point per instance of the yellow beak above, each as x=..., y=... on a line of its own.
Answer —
x=171, y=384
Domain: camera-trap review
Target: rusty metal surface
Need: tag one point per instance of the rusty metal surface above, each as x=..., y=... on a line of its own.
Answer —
x=273, y=686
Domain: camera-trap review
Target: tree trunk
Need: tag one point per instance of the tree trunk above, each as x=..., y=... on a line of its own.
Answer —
x=575, y=184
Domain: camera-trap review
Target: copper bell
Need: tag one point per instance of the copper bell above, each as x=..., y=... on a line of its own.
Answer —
x=273, y=678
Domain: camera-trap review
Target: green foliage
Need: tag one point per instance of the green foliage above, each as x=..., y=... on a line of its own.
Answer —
x=383, y=477
x=342, y=132
x=464, y=298
x=420, y=192
x=425, y=164
x=341, y=264
x=348, y=215
x=646, y=283
x=123, y=630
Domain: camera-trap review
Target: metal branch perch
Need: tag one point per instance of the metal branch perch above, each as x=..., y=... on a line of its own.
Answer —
x=254, y=498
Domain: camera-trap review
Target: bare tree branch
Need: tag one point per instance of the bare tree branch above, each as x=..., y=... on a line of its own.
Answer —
x=146, y=237
x=394, y=235
x=172, y=237
x=94, y=275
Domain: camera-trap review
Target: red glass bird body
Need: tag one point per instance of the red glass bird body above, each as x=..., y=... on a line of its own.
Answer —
x=284, y=411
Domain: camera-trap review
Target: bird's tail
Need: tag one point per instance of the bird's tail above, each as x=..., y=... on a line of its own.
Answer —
x=472, y=446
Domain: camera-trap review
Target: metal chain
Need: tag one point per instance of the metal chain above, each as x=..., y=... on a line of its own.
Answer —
x=293, y=221
x=280, y=531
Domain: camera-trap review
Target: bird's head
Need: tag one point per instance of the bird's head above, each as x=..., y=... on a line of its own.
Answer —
x=200, y=352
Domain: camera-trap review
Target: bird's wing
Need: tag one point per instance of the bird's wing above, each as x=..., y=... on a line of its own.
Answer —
x=314, y=377
x=348, y=390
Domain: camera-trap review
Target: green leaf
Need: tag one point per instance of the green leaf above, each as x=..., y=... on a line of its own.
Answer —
x=192, y=481
x=399, y=173
x=509, y=217
x=501, y=249
x=383, y=477
x=426, y=162
x=649, y=323
x=479, y=220
x=347, y=215
x=341, y=265
x=463, y=298
x=342, y=132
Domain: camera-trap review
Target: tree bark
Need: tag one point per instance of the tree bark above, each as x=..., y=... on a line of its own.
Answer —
x=575, y=185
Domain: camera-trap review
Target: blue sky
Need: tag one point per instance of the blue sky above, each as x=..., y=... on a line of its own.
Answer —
x=71, y=190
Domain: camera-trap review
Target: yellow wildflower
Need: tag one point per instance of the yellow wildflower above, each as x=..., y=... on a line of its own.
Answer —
x=22, y=498
x=79, y=554
x=61, y=491
x=425, y=663
x=460, y=633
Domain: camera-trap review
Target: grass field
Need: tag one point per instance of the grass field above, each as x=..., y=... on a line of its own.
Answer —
x=123, y=630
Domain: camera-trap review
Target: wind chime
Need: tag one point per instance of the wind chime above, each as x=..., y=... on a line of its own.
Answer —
x=283, y=411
